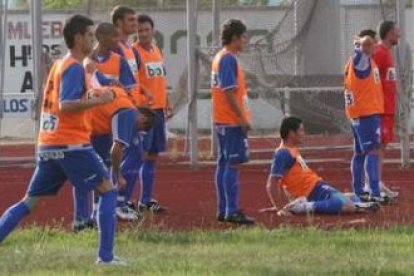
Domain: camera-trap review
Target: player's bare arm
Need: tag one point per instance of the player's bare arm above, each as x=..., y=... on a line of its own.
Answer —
x=105, y=97
x=116, y=159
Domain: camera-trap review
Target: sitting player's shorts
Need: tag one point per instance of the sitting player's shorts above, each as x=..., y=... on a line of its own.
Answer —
x=387, y=128
x=82, y=166
x=367, y=133
x=155, y=140
x=233, y=144
x=323, y=191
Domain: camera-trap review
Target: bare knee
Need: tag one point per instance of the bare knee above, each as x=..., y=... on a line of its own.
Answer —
x=31, y=201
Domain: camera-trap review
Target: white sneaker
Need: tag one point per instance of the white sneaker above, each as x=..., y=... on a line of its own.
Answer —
x=115, y=261
x=388, y=192
x=299, y=206
x=126, y=213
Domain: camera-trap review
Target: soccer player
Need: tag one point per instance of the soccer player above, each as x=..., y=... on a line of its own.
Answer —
x=364, y=105
x=111, y=70
x=232, y=120
x=383, y=57
x=306, y=191
x=152, y=76
x=64, y=144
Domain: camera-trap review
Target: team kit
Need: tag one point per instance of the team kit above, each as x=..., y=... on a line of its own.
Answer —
x=103, y=127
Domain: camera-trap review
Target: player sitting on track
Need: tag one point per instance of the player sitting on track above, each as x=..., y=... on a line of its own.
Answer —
x=307, y=191
x=111, y=69
x=364, y=104
x=232, y=121
x=64, y=143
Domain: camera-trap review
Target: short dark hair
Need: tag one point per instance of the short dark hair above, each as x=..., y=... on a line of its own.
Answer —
x=289, y=124
x=368, y=32
x=104, y=29
x=119, y=13
x=143, y=18
x=232, y=27
x=385, y=27
x=76, y=24
x=149, y=114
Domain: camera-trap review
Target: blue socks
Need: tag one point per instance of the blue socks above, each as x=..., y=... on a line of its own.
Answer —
x=11, y=218
x=358, y=173
x=147, y=181
x=221, y=194
x=372, y=167
x=231, y=186
x=81, y=205
x=106, y=225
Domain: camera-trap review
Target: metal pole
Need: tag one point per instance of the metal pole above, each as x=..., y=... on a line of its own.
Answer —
x=3, y=58
x=403, y=112
x=215, y=45
x=38, y=66
x=192, y=79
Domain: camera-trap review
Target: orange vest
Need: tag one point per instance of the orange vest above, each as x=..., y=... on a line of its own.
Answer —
x=137, y=97
x=99, y=117
x=56, y=128
x=151, y=74
x=299, y=180
x=363, y=97
x=222, y=111
x=111, y=67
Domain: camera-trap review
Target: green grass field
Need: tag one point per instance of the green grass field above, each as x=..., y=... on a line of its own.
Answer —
x=254, y=251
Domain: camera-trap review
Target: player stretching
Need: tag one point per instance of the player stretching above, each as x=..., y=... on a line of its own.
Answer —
x=303, y=187
x=111, y=69
x=232, y=121
x=389, y=35
x=152, y=76
x=364, y=105
x=64, y=146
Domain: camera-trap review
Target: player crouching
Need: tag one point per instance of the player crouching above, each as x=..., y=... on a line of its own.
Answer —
x=306, y=191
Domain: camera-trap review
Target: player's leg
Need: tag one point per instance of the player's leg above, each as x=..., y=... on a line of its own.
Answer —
x=387, y=136
x=124, y=132
x=86, y=171
x=370, y=140
x=46, y=180
x=358, y=162
x=219, y=175
x=154, y=142
x=237, y=153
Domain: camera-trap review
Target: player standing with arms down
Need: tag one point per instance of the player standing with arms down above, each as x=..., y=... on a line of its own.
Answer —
x=232, y=120
x=64, y=144
x=383, y=57
x=151, y=75
x=364, y=105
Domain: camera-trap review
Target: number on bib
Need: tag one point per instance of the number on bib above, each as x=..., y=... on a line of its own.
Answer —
x=49, y=122
x=349, y=98
x=155, y=70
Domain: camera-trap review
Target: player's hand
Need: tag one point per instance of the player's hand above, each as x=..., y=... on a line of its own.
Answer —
x=106, y=96
x=169, y=113
x=116, y=83
x=121, y=182
x=246, y=126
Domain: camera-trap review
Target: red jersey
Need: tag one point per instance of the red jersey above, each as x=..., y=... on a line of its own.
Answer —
x=385, y=61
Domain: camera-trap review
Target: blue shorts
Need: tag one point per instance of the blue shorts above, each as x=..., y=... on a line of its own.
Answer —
x=155, y=140
x=124, y=126
x=102, y=145
x=83, y=167
x=323, y=191
x=123, y=131
x=367, y=133
x=132, y=158
x=233, y=144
